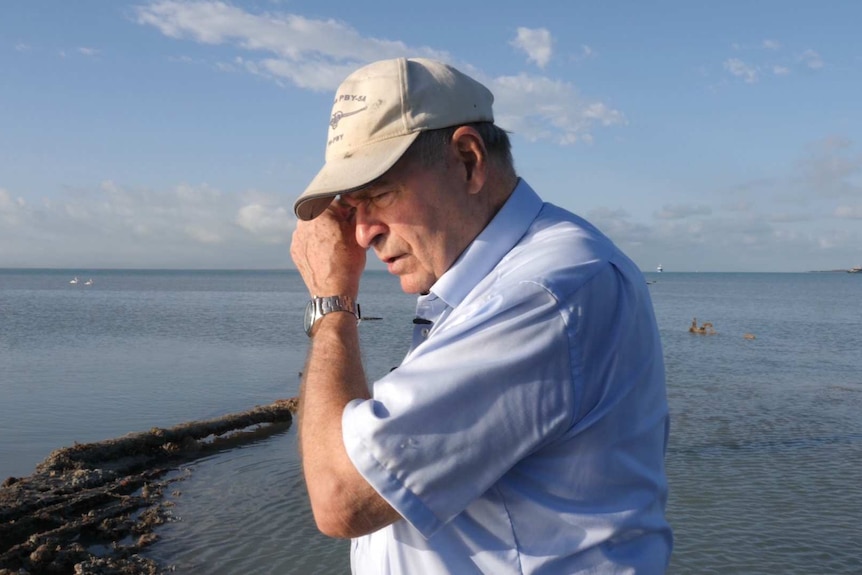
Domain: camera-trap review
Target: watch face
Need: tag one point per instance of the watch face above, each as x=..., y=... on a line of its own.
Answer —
x=309, y=316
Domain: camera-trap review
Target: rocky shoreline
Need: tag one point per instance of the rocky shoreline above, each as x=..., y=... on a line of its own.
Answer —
x=91, y=508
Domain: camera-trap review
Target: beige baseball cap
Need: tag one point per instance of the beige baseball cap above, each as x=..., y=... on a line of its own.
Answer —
x=379, y=110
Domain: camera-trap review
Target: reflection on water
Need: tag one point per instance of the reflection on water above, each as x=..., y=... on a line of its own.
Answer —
x=246, y=511
x=766, y=434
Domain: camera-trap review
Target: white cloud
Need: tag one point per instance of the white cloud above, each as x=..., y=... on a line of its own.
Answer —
x=608, y=213
x=742, y=70
x=849, y=212
x=618, y=225
x=813, y=212
x=181, y=59
x=678, y=212
x=116, y=226
x=585, y=54
x=831, y=169
x=318, y=54
x=307, y=75
x=88, y=51
x=750, y=72
x=22, y=47
x=834, y=239
x=271, y=224
x=5, y=200
x=203, y=235
x=741, y=206
x=788, y=218
x=540, y=108
x=811, y=59
x=11, y=209
x=602, y=113
x=305, y=47
x=536, y=43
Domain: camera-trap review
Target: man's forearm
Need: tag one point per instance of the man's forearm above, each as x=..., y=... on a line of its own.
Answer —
x=344, y=504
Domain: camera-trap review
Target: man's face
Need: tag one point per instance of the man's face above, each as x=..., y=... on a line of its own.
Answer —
x=414, y=218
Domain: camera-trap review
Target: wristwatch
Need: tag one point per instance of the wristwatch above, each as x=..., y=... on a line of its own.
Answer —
x=320, y=306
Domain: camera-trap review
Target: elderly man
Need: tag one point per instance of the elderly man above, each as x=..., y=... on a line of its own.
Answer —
x=525, y=430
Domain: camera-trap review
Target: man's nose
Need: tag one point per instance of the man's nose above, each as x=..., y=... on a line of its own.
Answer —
x=369, y=230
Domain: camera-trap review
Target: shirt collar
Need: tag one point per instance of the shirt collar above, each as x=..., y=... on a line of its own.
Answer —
x=500, y=235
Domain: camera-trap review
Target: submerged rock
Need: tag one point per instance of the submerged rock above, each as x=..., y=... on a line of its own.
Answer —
x=102, y=494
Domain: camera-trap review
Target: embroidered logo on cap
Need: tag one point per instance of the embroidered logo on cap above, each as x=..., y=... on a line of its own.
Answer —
x=337, y=116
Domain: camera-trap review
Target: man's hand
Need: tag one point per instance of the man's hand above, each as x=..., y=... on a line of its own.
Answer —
x=326, y=253
x=330, y=261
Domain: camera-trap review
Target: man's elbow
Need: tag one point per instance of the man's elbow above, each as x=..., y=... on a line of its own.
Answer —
x=344, y=504
x=342, y=522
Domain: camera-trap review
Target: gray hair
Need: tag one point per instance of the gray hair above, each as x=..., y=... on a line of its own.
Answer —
x=429, y=148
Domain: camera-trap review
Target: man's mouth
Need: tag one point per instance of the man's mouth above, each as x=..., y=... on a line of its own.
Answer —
x=392, y=262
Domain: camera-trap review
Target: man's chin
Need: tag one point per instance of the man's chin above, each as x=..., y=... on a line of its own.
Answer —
x=411, y=286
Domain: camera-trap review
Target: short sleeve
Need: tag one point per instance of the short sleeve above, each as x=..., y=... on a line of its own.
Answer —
x=486, y=389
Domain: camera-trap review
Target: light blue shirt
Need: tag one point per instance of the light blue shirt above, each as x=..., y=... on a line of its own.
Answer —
x=525, y=430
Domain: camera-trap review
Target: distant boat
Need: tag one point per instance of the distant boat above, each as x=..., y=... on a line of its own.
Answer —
x=74, y=280
x=855, y=270
x=659, y=268
x=89, y=282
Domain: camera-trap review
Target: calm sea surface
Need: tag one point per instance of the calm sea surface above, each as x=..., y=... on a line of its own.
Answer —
x=764, y=462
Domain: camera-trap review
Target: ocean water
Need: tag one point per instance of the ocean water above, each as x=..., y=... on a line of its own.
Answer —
x=765, y=454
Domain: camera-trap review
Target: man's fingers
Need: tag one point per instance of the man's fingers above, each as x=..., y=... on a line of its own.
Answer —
x=341, y=210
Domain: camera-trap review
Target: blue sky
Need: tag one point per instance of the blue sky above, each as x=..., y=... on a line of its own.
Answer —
x=720, y=136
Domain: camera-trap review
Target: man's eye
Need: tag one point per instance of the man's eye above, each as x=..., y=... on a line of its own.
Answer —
x=381, y=198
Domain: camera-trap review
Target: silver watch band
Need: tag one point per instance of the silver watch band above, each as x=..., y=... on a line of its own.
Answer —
x=320, y=306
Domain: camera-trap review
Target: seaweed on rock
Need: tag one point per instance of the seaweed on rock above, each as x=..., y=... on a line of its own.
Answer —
x=91, y=508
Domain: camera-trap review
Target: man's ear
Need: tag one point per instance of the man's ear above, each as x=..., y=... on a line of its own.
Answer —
x=472, y=157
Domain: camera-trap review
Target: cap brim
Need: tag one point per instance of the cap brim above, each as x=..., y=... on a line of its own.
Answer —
x=350, y=173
